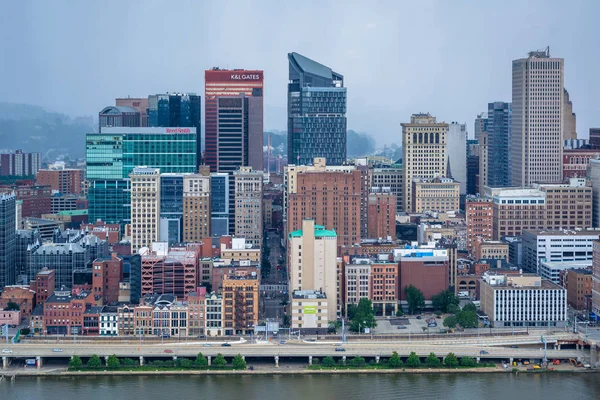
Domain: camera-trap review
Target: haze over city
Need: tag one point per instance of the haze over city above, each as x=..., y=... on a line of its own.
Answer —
x=397, y=58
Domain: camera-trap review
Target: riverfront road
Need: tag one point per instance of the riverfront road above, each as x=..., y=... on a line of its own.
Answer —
x=287, y=350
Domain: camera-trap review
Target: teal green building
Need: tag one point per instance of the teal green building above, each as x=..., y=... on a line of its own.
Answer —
x=112, y=154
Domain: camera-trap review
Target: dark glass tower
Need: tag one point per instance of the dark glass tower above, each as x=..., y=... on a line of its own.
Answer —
x=171, y=208
x=8, y=240
x=499, y=138
x=316, y=112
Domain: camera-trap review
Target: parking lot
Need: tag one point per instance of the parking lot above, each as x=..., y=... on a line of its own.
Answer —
x=412, y=324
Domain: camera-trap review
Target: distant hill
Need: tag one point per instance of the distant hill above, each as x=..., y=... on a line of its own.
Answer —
x=358, y=143
x=33, y=128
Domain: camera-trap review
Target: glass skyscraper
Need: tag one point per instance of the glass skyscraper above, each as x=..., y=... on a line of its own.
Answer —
x=219, y=205
x=499, y=122
x=112, y=155
x=8, y=240
x=171, y=207
x=316, y=112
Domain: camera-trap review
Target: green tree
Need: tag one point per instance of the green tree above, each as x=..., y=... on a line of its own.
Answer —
x=413, y=360
x=328, y=362
x=451, y=361
x=470, y=307
x=12, y=306
x=364, y=317
x=239, y=362
x=450, y=322
x=467, y=319
x=432, y=361
x=94, y=362
x=453, y=308
x=25, y=331
x=75, y=362
x=286, y=321
x=219, y=361
x=467, y=362
x=400, y=312
x=414, y=298
x=395, y=361
x=444, y=299
x=129, y=362
x=351, y=311
x=200, y=361
x=113, y=362
x=333, y=326
x=185, y=362
x=358, y=361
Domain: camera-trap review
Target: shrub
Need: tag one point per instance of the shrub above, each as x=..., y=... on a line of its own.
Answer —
x=129, y=362
x=157, y=363
x=413, y=360
x=357, y=361
x=451, y=361
x=328, y=362
x=113, y=362
x=467, y=362
x=432, y=361
x=395, y=361
x=185, y=363
x=316, y=361
x=94, y=362
x=75, y=362
x=200, y=361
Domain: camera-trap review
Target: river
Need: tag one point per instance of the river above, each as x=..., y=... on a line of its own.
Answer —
x=308, y=387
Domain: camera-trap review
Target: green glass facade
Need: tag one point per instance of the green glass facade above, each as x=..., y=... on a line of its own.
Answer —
x=112, y=154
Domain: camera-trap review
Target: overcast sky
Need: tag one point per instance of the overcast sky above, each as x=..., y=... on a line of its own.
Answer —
x=449, y=58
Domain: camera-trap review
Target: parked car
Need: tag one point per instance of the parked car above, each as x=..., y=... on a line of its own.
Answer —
x=402, y=327
x=168, y=351
x=201, y=336
x=282, y=342
x=57, y=350
x=483, y=352
x=7, y=351
x=165, y=336
x=419, y=317
x=226, y=345
x=29, y=335
x=340, y=349
x=207, y=345
x=514, y=347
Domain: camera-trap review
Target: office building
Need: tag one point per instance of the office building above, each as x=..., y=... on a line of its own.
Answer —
x=429, y=272
x=595, y=137
x=220, y=212
x=593, y=175
x=331, y=196
x=20, y=164
x=309, y=312
x=490, y=251
x=569, y=118
x=171, y=208
x=312, y=262
x=423, y=152
x=222, y=83
x=66, y=322
x=106, y=275
x=196, y=206
x=145, y=207
x=240, y=307
x=499, y=127
x=435, y=194
x=32, y=200
x=537, y=131
x=481, y=124
x=381, y=215
x=248, y=205
x=473, y=156
x=484, y=161
x=579, y=288
x=8, y=240
x=479, y=216
x=45, y=283
x=316, y=112
x=140, y=104
x=119, y=117
x=388, y=177
x=516, y=210
x=65, y=181
x=556, y=271
x=457, y=154
x=172, y=271
x=239, y=133
x=575, y=161
x=568, y=205
x=522, y=301
x=113, y=154
x=556, y=246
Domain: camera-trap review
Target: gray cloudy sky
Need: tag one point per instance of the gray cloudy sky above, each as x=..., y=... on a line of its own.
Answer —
x=398, y=57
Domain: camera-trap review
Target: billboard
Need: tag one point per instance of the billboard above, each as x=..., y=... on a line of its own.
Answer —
x=310, y=309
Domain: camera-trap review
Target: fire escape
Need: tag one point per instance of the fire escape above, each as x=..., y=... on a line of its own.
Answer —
x=240, y=310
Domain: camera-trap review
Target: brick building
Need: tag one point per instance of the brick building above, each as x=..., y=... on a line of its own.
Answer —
x=240, y=304
x=44, y=284
x=64, y=312
x=381, y=215
x=579, y=288
x=35, y=200
x=22, y=296
x=430, y=274
x=106, y=275
x=66, y=181
x=109, y=232
x=575, y=162
x=479, y=216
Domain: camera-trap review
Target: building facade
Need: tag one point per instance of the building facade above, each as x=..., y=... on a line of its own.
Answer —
x=316, y=112
x=145, y=207
x=8, y=240
x=381, y=215
x=388, y=177
x=457, y=154
x=435, y=194
x=196, y=206
x=309, y=312
x=499, y=127
x=20, y=164
x=66, y=181
x=479, y=216
x=248, y=205
x=537, y=131
x=575, y=162
x=240, y=304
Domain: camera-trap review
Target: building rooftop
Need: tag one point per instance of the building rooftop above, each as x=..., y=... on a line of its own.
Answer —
x=308, y=294
x=309, y=66
x=563, y=232
x=320, y=231
x=73, y=213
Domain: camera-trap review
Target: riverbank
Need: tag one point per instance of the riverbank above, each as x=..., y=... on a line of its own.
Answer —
x=283, y=371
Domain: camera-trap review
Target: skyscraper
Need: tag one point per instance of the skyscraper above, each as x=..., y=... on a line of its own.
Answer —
x=316, y=112
x=196, y=206
x=145, y=207
x=423, y=152
x=498, y=144
x=8, y=240
x=182, y=110
x=570, y=119
x=248, y=205
x=226, y=83
x=171, y=208
x=480, y=124
x=219, y=204
x=457, y=155
x=537, y=122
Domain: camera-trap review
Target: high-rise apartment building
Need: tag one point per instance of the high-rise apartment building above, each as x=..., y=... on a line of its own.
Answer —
x=498, y=144
x=8, y=240
x=331, y=196
x=457, y=154
x=239, y=132
x=65, y=181
x=479, y=216
x=112, y=155
x=381, y=215
x=312, y=261
x=181, y=110
x=196, y=206
x=538, y=119
x=221, y=83
x=569, y=118
x=316, y=112
x=423, y=152
x=145, y=207
x=248, y=205
x=20, y=164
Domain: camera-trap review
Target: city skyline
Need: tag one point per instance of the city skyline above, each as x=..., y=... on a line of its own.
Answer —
x=450, y=75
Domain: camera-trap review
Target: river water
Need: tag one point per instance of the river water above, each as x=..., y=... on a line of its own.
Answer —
x=308, y=387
